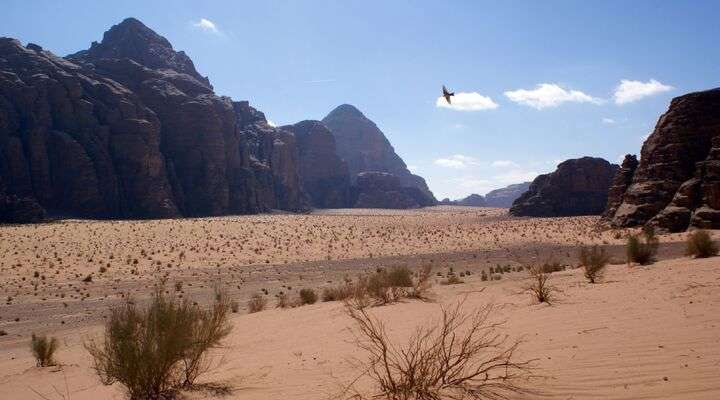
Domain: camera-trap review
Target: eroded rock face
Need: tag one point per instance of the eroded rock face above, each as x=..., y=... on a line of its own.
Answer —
x=577, y=187
x=129, y=129
x=621, y=181
x=366, y=149
x=384, y=190
x=504, y=197
x=324, y=175
x=676, y=184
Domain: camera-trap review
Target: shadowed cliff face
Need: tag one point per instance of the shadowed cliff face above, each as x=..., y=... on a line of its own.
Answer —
x=577, y=187
x=677, y=182
x=129, y=129
x=366, y=149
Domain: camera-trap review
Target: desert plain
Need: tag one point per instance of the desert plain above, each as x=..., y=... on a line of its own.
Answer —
x=642, y=332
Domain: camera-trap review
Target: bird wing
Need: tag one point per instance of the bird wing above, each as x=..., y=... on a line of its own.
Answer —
x=445, y=91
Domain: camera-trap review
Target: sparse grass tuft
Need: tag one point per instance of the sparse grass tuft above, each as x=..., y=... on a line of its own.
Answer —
x=256, y=303
x=701, y=245
x=594, y=260
x=43, y=349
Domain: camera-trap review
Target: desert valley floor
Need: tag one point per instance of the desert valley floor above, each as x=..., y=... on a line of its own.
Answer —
x=649, y=332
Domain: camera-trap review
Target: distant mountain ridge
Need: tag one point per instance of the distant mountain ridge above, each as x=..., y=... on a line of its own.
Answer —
x=499, y=198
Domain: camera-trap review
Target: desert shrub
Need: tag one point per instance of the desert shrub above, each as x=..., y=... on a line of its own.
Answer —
x=152, y=351
x=642, y=249
x=421, y=285
x=307, y=296
x=700, y=245
x=256, y=303
x=43, y=349
x=461, y=356
x=234, y=306
x=483, y=276
x=593, y=260
x=539, y=287
x=399, y=277
x=3, y=332
x=452, y=280
x=282, y=301
x=552, y=266
x=338, y=293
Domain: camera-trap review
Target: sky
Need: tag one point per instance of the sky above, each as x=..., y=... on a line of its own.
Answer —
x=536, y=82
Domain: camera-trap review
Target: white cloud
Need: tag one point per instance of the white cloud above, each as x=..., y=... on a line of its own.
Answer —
x=207, y=26
x=271, y=123
x=608, y=121
x=503, y=164
x=629, y=91
x=547, y=95
x=457, y=161
x=472, y=101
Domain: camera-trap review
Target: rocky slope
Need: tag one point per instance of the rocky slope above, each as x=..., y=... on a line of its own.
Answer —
x=129, y=129
x=577, y=187
x=366, y=149
x=385, y=190
x=504, y=197
x=473, y=200
x=677, y=182
x=324, y=175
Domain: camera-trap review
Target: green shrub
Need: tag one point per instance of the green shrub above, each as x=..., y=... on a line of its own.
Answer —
x=642, y=249
x=154, y=350
x=700, y=245
x=594, y=260
x=43, y=349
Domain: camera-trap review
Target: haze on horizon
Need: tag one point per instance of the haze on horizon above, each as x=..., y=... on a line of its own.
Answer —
x=535, y=84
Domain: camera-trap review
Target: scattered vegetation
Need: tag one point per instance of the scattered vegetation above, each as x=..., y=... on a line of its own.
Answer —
x=256, y=303
x=594, y=260
x=641, y=249
x=307, y=296
x=461, y=356
x=701, y=245
x=43, y=349
x=155, y=350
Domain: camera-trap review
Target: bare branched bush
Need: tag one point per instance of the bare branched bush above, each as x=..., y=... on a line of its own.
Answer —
x=539, y=287
x=256, y=303
x=461, y=356
x=43, y=349
x=700, y=245
x=593, y=259
x=152, y=351
x=642, y=249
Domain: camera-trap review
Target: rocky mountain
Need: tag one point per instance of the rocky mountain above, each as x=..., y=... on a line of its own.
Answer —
x=366, y=149
x=504, y=197
x=676, y=185
x=473, y=200
x=385, y=190
x=324, y=175
x=577, y=187
x=129, y=129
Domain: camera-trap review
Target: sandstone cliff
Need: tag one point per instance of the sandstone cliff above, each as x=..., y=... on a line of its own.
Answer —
x=677, y=182
x=576, y=187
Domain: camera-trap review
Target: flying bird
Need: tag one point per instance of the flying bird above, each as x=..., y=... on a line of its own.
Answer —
x=447, y=94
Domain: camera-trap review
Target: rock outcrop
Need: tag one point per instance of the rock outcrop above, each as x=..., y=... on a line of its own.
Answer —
x=677, y=182
x=621, y=182
x=384, y=190
x=366, y=149
x=129, y=129
x=578, y=187
x=323, y=174
x=504, y=197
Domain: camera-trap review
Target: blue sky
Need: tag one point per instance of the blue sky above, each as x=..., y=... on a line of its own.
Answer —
x=297, y=60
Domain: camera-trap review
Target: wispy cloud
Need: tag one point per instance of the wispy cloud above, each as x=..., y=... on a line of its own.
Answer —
x=608, y=121
x=457, y=161
x=315, y=81
x=630, y=91
x=207, y=26
x=548, y=95
x=471, y=101
x=503, y=164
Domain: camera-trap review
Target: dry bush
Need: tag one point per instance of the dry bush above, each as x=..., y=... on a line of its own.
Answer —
x=700, y=245
x=594, y=260
x=539, y=287
x=282, y=301
x=642, y=249
x=256, y=303
x=452, y=280
x=152, y=351
x=461, y=356
x=422, y=284
x=307, y=296
x=43, y=349
x=338, y=293
x=552, y=266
